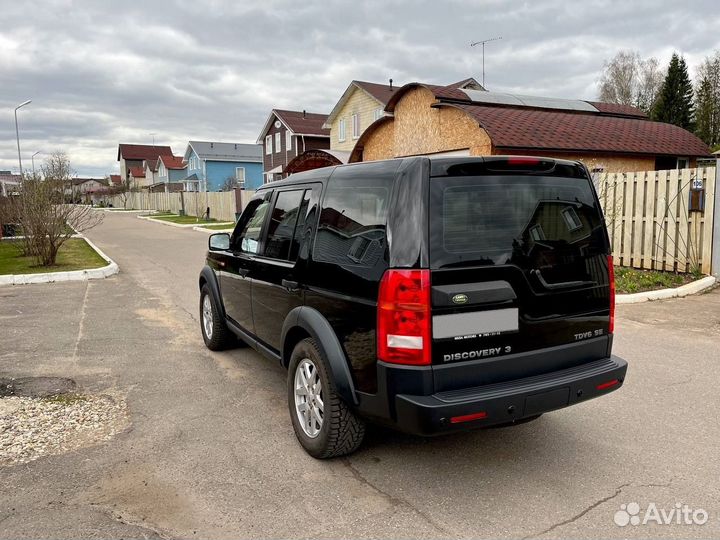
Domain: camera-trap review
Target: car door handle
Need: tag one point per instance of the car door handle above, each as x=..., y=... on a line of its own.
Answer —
x=243, y=272
x=291, y=286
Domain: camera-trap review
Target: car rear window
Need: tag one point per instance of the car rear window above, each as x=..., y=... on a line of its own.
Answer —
x=486, y=220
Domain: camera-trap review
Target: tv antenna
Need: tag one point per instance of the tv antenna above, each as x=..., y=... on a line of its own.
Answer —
x=483, y=42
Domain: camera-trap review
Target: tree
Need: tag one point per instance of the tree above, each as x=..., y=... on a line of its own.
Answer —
x=675, y=102
x=47, y=221
x=707, y=100
x=627, y=79
x=229, y=184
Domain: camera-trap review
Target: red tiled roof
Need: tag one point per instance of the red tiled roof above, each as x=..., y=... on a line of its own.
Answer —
x=142, y=151
x=137, y=172
x=115, y=179
x=528, y=128
x=307, y=124
x=381, y=92
x=173, y=162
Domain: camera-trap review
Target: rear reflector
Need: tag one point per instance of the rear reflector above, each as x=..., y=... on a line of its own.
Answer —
x=611, y=276
x=403, y=317
x=468, y=417
x=606, y=385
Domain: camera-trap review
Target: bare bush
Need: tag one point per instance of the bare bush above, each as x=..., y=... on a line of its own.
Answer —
x=47, y=222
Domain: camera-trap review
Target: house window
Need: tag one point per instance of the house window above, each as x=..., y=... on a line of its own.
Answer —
x=268, y=145
x=356, y=125
x=277, y=142
x=683, y=163
x=341, y=130
x=240, y=176
x=377, y=114
x=288, y=140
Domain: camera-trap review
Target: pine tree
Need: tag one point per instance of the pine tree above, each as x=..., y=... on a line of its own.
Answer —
x=707, y=100
x=675, y=102
x=704, y=112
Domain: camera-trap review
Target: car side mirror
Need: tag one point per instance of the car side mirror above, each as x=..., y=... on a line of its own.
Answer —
x=219, y=242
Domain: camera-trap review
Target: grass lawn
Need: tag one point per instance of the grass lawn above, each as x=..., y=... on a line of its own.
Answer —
x=75, y=254
x=182, y=220
x=220, y=227
x=631, y=280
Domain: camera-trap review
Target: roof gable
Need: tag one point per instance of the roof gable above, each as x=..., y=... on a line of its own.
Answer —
x=379, y=92
x=298, y=122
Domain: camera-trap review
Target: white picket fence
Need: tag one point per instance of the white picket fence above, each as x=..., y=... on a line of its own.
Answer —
x=649, y=223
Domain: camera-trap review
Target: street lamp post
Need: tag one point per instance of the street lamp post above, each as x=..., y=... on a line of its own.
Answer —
x=17, y=134
x=32, y=158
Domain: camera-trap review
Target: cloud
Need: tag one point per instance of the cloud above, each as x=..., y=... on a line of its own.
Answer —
x=100, y=73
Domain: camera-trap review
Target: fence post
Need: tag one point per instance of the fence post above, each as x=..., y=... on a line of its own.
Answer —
x=715, y=265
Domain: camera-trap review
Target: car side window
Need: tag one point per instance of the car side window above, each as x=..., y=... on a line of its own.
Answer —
x=352, y=223
x=246, y=237
x=305, y=218
x=281, y=228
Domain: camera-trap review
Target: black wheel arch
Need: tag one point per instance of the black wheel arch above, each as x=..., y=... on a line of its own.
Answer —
x=303, y=322
x=208, y=277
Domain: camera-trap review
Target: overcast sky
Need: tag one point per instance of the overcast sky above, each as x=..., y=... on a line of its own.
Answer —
x=104, y=72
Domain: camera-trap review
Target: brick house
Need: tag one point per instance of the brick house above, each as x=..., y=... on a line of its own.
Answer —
x=426, y=119
x=285, y=135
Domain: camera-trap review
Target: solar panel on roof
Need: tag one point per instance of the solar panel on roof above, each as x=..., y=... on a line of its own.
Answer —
x=499, y=98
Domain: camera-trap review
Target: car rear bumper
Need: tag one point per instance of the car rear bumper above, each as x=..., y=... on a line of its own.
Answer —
x=507, y=402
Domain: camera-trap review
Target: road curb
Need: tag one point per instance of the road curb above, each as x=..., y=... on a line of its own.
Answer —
x=203, y=229
x=178, y=225
x=694, y=287
x=74, y=275
x=121, y=211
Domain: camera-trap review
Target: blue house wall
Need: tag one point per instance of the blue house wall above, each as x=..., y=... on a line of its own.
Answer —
x=218, y=171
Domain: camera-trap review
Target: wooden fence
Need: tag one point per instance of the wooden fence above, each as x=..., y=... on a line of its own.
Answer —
x=649, y=223
x=222, y=205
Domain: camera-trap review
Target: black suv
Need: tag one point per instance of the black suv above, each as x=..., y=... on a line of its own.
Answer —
x=427, y=294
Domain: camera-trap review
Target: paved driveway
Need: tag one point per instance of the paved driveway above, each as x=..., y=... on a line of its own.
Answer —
x=211, y=453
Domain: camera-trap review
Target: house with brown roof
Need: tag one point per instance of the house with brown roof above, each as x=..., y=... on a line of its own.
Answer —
x=169, y=176
x=362, y=104
x=425, y=119
x=136, y=177
x=287, y=134
x=133, y=155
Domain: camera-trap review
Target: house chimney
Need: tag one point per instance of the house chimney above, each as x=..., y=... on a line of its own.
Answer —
x=391, y=85
x=303, y=113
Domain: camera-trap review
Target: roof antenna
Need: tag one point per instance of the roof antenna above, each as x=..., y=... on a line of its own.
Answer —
x=391, y=85
x=483, y=42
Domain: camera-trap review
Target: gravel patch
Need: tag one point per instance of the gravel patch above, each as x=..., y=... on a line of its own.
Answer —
x=34, y=427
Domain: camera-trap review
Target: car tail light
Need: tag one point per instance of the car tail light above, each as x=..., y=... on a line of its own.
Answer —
x=403, y=313
x=611, y=277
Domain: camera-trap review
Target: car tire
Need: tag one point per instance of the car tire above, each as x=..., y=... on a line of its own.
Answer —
x=216, y=335
x=329, y=428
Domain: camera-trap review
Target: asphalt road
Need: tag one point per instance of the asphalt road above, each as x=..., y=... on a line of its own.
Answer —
x=211, y=453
